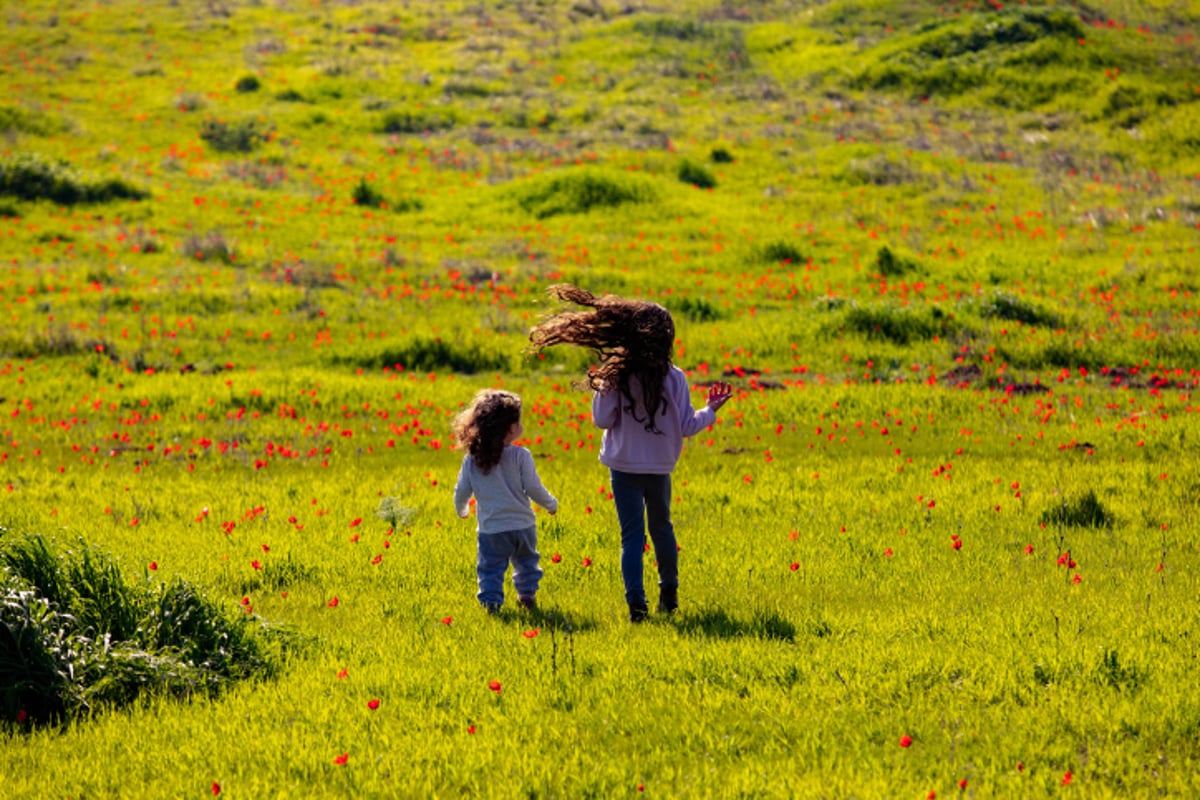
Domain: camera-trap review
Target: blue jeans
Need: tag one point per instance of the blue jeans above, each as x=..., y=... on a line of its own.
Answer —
x=496, y=550
x=645, y=499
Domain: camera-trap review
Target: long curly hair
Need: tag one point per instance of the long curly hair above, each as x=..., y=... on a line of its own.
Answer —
x=629, y=338
x=482, y=426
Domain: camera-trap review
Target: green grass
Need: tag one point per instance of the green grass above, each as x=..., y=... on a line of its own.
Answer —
x=255, y=257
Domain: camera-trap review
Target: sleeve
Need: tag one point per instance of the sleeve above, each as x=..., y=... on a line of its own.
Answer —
x=691, y=420
x=463, y=491
x=532, y=484
x=606, y=408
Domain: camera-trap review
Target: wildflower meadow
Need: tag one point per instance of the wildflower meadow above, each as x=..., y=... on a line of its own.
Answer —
x=255, y=255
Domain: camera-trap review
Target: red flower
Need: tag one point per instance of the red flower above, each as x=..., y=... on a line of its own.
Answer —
x=494, y=686
x=343, y=675
x=529, y=634
x=354, y=523
x=1028, y=549
x=447, y=620
x=471, y=729
x=906, y=741
x=557, y=557
x=22, y=715
x=342, y=759
x=216, y=788
x=256, y=564
x=373, y=703
x=587, y=562
x=333, y=603
x=1066, y=780
x=795, y=565
x=153, y=565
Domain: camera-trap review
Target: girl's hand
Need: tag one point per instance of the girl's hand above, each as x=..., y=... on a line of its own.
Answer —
x=718, y=393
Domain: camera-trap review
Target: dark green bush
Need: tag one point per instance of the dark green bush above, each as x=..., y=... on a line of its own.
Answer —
x=290, y=96
x=431, y=355
x=779, y=252
x=1006, y=306
x=414, y=122
x=720, y=155
x=695, y=309
x=580, y=192
x=242, y=136
x=894, y=266
x=19, y=120
x=897, y=325
x=696, y=175
x=366, y=195
x=75, y=636
x=686, y=30
x=1084, y=511
x=28, y=176
x=248, y=83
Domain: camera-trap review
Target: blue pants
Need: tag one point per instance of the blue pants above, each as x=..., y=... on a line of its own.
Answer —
x=496, y=550
x=645, y=500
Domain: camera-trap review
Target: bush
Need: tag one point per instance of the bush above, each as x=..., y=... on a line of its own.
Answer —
x=720, y=155
x=580, y=192
x=685, y=30
x=247, y=83
x=779, y=252
x=290, y=96
x=696, y=175
x=366, y=195
x=431, y=355
x=1085, y=511
x=897, y=325
x=28, y=176
x=695, y=309
x=19, y=120
x=892, y=265
x=75, y=636
x=1006, y=306
x=234, y=137
x=414, y=122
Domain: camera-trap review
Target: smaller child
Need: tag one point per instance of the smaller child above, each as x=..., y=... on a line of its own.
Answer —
x=503, y=479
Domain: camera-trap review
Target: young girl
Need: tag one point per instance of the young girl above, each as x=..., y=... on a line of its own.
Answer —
x=503, y=480
x=642, y=402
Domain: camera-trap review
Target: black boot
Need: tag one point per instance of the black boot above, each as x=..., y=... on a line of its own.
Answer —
x=637, y=612
x=668, y=599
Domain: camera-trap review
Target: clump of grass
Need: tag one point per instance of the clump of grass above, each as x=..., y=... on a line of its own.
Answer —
x=721, y=155
x=696, y=175
x=430, y=355
x=29, y=176
x=242, y=136
x=581, y=192
x=212, y=246
x=1003, y=305
x=695, y=309
x=779, y=252
x=1083, y=511
x=892, y=265
x=367, y=195
x=20, y=120
x=413, y=122
x=900, y=326
x=76, y=637
x=247, y=83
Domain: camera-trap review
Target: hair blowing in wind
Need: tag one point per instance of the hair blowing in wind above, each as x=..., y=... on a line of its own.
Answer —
x=628, y=337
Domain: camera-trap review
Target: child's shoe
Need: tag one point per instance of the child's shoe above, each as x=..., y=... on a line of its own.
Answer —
x=638, y=612
x=668, y=599
x=528, y=603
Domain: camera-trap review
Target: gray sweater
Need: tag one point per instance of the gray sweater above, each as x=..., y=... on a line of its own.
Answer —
x=502, y=496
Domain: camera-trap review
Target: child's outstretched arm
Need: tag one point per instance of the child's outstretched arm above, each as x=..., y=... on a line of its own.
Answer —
x=718, y=394
x=463, y=492
x=533, y=484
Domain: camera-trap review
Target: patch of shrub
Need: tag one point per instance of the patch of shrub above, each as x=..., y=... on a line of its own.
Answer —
x=242, y=136
x=779, y=252
x=900, y=326
x=578, y=192
x=8, y=210
x=696, y=175
x=685, y=30
x=695, y=309
x=1084, y=511
x=20, y=120
x=212, y=246
x=414, y=122
x=720, y=155
x=892, y=265
x=431, y=355
x=290, y=96
x=1006, y=306
x=248, y=83
x=76, y=637
x=366, y=195
x=28, y=176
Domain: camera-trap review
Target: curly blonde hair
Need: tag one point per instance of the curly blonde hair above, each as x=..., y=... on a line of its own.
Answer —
x=482, y=427
x=629, y=338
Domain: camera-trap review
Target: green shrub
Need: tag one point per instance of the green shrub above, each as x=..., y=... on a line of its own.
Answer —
x=234, y=137
x=290, y=96
x=892, y=265
x=685, y=30
x=366, y=195
x=1084, y=511
x=897, y=325
x=779, y=252
x=431, y=355
x=1007, y=306
x=28, y=176
x=696, y=175
x=247, y=83
x=695, y=309
x=414, y=122
x=75, y=636
x=720, y=155
x=19, y=120
x=580, y=192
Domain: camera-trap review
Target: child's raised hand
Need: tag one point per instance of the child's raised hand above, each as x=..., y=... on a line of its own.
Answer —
x=718, y=393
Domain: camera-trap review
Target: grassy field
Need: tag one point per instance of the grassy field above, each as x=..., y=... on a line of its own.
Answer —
x=254, y=256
